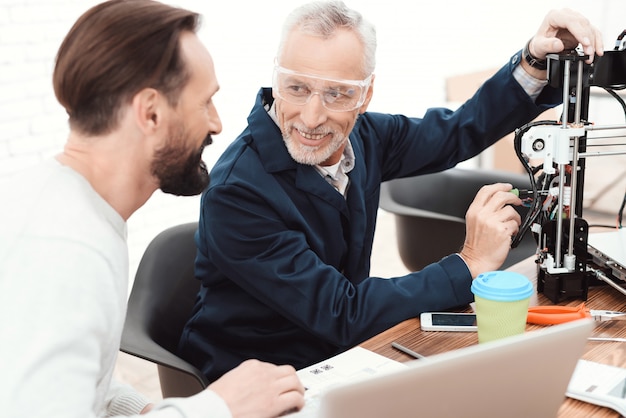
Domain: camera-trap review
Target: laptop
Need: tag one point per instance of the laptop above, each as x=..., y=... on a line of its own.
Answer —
x=608, y=249
x=516, y=377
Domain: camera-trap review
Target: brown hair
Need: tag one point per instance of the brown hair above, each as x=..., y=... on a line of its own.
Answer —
x=114, y=50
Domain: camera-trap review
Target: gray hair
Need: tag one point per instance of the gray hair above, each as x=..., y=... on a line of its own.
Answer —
x=323, y=18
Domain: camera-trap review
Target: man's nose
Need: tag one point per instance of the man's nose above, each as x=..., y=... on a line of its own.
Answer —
x=313, y=112
x=215, y=123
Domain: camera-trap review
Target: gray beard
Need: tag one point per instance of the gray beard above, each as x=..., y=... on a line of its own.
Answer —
x=308, y=155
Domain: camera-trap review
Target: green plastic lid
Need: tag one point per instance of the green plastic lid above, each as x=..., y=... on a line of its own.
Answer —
x=502, y=286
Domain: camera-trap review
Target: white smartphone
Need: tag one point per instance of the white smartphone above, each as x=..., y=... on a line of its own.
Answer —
x=448, y=321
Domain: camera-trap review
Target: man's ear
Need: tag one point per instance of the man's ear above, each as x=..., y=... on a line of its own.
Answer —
x=148, y=110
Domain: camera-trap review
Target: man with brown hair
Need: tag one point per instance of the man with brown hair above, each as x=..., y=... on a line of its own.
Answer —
x=137, y=85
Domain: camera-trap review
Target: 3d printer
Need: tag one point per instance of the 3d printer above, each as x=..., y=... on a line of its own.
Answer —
x=554, y=154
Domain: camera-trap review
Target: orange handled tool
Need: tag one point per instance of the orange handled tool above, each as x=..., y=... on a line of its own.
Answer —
x=554, y=314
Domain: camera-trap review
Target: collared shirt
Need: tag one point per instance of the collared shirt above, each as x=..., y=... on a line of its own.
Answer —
x=306, y=246
x=531, y=85
x=337, y=174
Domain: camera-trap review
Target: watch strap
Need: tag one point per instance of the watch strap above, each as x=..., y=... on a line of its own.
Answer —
x=531, y=60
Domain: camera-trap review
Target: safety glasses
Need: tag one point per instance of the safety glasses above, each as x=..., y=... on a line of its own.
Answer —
x=337, y=95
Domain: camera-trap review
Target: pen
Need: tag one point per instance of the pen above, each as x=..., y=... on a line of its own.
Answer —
x=619, y=340
x=407, y=351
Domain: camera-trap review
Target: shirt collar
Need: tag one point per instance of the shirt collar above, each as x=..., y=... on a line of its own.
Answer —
x=347, y=158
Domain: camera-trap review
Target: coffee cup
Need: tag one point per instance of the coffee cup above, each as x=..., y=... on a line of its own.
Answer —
x=501, y=304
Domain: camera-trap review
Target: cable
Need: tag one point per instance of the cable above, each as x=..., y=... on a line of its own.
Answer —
x=534, y=210
x=600, y=275
x=618, y=98
x=601, y=226
x=620, y=213
x=620, y=42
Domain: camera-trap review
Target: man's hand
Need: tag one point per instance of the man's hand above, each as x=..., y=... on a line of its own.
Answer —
x=564, y=29
x=258, y=389
x=147, y=409
x=490, y=222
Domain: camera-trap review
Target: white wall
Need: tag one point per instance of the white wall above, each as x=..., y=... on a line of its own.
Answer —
x=418, y=48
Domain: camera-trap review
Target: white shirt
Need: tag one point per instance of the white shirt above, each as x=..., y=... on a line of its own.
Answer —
x=63, y=293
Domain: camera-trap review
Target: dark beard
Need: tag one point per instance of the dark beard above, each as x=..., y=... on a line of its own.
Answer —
x=180, y=173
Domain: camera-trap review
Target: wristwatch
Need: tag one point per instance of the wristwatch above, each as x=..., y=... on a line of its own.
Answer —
x=531, y=60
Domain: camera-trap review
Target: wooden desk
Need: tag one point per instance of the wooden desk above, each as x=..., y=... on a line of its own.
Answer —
x=409, y=334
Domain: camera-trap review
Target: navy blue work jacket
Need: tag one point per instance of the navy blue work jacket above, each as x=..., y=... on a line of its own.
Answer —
x=284, y=259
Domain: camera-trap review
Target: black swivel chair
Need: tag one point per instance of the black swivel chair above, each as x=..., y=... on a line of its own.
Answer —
x=430, y=213
x=160, y=303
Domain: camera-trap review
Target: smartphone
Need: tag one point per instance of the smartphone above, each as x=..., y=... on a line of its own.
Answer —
x=448, y=321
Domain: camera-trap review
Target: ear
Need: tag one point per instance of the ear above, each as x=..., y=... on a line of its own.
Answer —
x=148, y=110
x=368, y=96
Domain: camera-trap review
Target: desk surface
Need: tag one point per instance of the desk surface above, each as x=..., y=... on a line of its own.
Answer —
x=409, y=334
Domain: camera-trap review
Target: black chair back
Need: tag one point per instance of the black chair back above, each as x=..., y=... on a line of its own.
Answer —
x=430, y=213
x=160, y=303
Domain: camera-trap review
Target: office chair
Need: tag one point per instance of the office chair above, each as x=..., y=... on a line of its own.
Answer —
x=160, y=303
x=430, y=213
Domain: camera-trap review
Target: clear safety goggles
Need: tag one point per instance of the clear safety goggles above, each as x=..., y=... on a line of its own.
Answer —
x=337, y=95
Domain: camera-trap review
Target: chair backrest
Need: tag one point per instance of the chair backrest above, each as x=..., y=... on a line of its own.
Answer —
x=430, y=213
x=160, y=303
